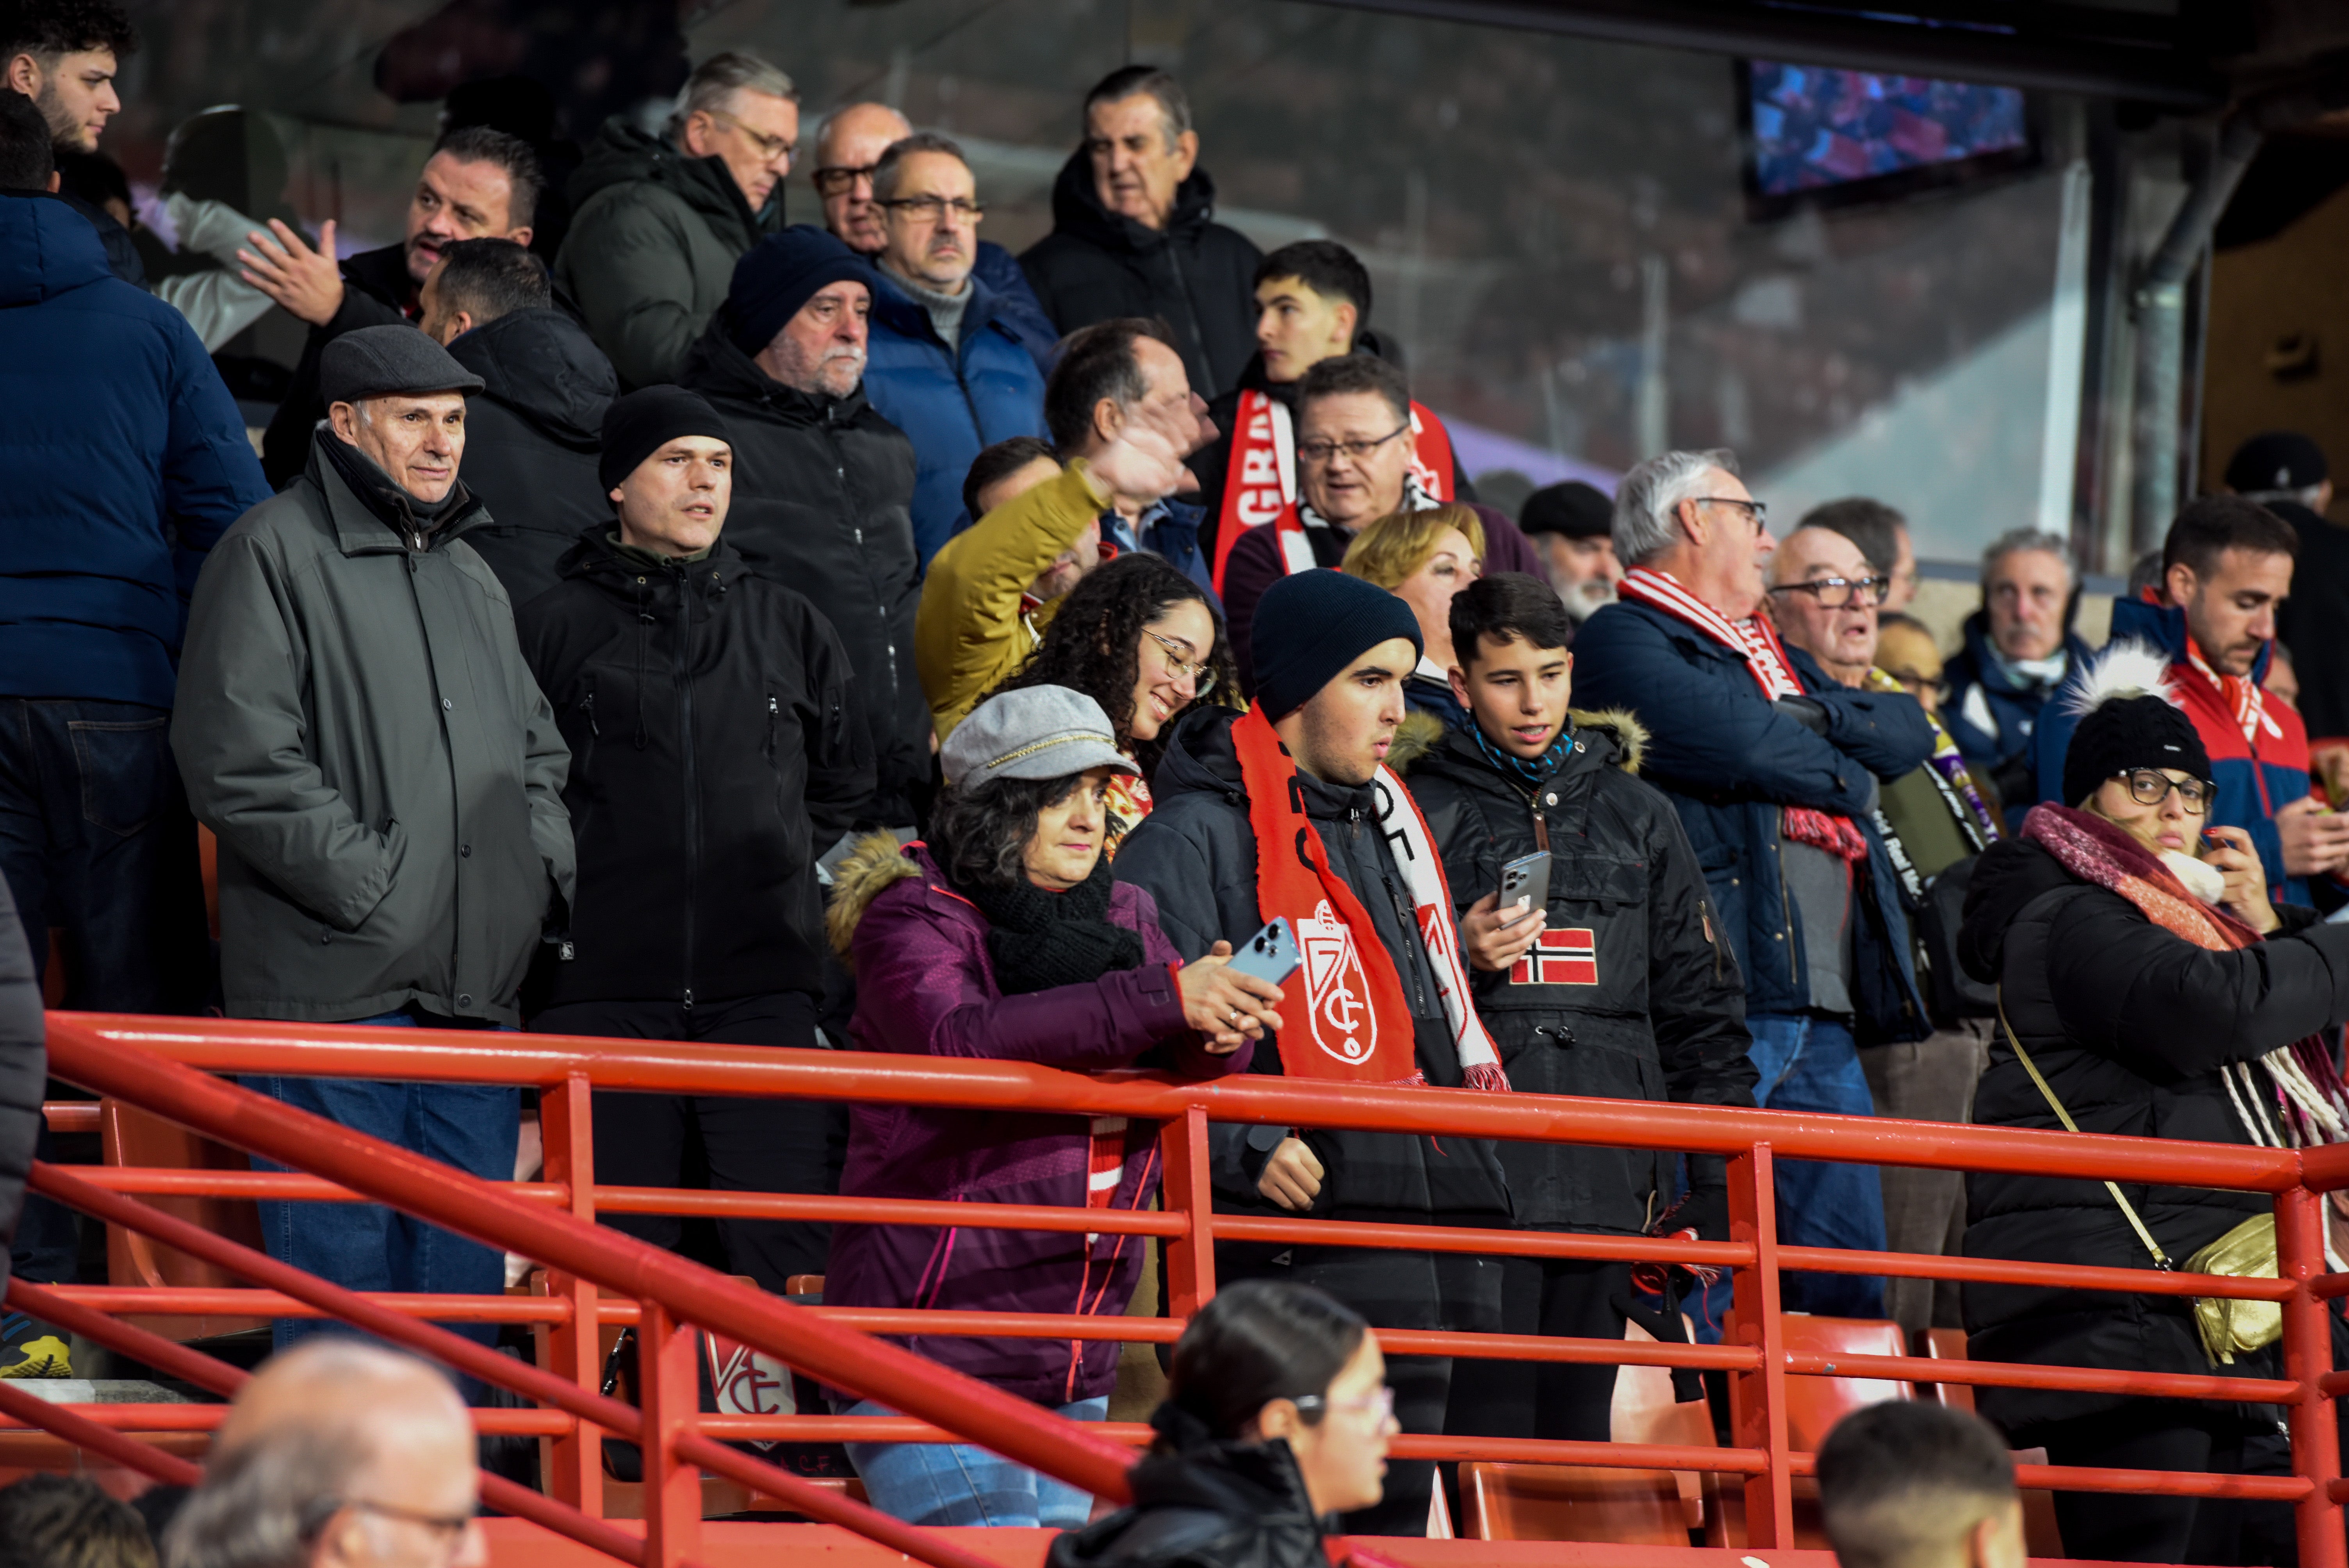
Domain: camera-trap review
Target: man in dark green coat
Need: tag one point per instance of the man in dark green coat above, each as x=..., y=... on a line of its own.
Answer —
x=661, y=220
x=356, y=725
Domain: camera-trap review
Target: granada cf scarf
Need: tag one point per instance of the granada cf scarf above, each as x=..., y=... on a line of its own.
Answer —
x=1260, y=481
x=1357, y=1025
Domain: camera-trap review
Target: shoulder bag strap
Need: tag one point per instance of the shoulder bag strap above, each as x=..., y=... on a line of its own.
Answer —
x=2160, y=1258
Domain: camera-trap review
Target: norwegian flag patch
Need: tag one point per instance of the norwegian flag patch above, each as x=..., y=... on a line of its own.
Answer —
x=1565, y=957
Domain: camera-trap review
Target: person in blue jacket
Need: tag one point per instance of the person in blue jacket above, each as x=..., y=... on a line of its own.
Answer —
x=1775, y=771
x=944, y=364
x=2019, y=648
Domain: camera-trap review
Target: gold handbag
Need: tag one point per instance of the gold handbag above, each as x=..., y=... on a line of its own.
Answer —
x=2247, y=1251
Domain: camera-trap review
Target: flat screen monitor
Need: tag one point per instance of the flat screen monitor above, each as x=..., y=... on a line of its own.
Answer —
x=1820, y=135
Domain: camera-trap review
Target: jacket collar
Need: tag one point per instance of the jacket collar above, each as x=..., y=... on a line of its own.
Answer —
x=1992, y=671
x=906, y=316
x=1077, y=210
x=360, y=528
x=1200, y=757
x=2164, y=626
x=593, y=558
x=46, y=249
x=718, y=368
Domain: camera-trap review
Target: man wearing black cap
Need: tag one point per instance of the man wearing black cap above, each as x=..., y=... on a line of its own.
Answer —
x=716, y=745
x=824, y=485
x=356, y=725
x=1572, y=526
x=2286, y=472
x=1290, y=811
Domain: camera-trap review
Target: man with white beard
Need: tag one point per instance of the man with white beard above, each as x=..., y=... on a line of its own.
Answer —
x=1571, y=526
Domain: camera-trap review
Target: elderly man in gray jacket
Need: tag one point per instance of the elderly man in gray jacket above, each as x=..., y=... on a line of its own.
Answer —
x=356, y=725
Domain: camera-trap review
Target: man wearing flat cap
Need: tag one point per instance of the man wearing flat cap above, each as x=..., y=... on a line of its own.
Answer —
x=356, y=725
x=1290, y=811
x=717, y=748
x=824, y=485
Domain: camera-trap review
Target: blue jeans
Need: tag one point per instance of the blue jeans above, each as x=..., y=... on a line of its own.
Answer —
x=368, y=1247
x=1809, y=1063
x=956, y=1484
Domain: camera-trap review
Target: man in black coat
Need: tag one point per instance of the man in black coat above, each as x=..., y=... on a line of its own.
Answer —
x=1623, y=988
x=716, y=749
x=824, y=485
x=2286, y=472
x=534, y=432
x=1134, y=232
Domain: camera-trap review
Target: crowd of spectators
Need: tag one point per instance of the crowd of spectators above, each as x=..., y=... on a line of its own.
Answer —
x=851, y=635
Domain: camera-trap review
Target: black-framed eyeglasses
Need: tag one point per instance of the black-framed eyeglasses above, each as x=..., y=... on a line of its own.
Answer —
x=1756, y=512
x=2151, y=787
x=1841, y=592
x=1323, y=451
x=769, y=147
x=930, y=209
x=834, y=178
x=1178, y=660
x=1921, y=685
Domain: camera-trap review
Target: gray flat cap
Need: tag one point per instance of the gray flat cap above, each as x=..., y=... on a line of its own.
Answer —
x=1038, y=732
x=390, y=362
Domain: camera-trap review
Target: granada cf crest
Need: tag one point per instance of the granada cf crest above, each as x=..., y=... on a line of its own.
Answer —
x=1337, y=991
x=747, y=1382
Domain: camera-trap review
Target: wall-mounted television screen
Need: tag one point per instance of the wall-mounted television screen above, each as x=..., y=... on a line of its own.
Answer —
x=1818, y=135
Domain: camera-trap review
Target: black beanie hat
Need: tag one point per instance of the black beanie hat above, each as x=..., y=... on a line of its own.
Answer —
x=646, y=421
x=1311, y=625
x=783, y=273
x=2129, y=722
x=2278, y=460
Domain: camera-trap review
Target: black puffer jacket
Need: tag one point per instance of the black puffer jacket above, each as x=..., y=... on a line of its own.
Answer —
x=2129, y=1024
x=376, y=291
x=1198, y=275
x=1223, y=1505
x=1196, y=855
x=823, y=492
x=1634, y=994
x=23, y=1069
x=715, y=751
x=532, y=439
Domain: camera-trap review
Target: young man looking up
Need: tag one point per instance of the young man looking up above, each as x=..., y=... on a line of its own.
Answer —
x=1627, y=990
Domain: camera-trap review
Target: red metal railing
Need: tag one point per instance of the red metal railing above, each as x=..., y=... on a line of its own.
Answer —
x=160, y=1065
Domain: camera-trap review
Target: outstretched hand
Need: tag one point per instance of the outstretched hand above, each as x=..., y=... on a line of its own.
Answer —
x=1143, y=462
x=281, y=264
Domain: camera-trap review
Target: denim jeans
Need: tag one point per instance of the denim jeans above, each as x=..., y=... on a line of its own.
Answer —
x=1810, y=1063
x=369, y=1247
x=956, y=1484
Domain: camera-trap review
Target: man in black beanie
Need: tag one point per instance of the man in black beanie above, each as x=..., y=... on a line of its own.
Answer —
x=2286, y=472
x=1332, y=653
x=824, y=485
x=688, y=689
x=356, y=725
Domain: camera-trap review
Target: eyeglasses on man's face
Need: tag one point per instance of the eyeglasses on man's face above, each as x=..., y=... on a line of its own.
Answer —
x=1841, y=592
x=2150, y=786
x=768, y=147
x=930, y=209
x=1756, y=512
x=1328, y=451
x=834, y=178
x=1180, y=664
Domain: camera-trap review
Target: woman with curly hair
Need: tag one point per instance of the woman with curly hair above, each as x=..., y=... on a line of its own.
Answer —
x=1144, y=642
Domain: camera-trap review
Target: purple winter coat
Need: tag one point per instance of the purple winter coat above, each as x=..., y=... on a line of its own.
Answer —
x=926, y=985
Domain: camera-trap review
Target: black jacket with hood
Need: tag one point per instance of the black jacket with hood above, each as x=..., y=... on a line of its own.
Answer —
x=2130, y=1025
x=1219, y=1505
x=532, y=435
x=716, y=750
x=823, y=494
x=1198, y=275
x=1195, y=854
x=1636, y=994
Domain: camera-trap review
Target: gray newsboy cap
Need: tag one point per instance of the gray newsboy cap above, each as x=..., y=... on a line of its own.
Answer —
x=390, y=362
x=1038, y=732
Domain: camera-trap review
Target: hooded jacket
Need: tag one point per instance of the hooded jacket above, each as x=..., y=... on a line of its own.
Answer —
x=1219, y=1505
x=358, y=728
x=376, y=291
x=951, y=400
x=926, y=986
x=1631, y=993
x=1728, y=760
x=532, y=435
x=1992, y=718
x=716, y=749
x=2256, y=776
x=2129, y=1025
x=125, y=459
x=654, y=238
x=822, y=492
x=1195, y=855
x=1195, y=273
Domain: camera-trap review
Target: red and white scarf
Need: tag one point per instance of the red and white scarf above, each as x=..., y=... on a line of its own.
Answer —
x=1356, y=1024
x=1260, y=480
x=2242, y=694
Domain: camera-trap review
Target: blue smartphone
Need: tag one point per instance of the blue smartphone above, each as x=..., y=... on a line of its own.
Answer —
x=1269, y=955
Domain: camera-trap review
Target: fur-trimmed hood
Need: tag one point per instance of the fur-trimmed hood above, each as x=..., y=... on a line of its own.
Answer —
x=1421, y=733
x=877, y=863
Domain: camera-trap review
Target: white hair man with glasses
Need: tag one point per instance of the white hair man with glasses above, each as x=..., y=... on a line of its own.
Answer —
x=944, y=364
x=1775, y=770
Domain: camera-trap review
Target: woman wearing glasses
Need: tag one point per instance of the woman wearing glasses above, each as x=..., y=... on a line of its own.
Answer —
x=1141, y=639
x=2148, y=987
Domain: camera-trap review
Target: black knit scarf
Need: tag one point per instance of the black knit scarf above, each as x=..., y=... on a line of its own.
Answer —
x=1040, y=940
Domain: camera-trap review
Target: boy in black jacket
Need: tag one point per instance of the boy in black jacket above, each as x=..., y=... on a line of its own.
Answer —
x=1622, y=988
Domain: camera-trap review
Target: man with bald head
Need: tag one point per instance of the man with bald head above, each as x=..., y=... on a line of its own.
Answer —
x=847, y=148
x=338, y=1454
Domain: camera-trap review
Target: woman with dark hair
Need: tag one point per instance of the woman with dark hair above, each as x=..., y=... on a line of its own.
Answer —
x=1004, y=936
x=1144, y=642
x=1276, y=1416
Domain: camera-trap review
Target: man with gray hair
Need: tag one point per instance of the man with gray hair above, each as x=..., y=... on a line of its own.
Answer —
x=2018, y=648
x=1775, y=769
x=663, y=219
x=337, y=1454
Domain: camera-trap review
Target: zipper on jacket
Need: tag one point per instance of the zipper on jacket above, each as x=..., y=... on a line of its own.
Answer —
x=856, y=530
x=692, y=781
x=1786, y=912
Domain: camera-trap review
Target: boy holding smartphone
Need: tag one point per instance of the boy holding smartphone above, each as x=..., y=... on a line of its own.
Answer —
x=1615, y=980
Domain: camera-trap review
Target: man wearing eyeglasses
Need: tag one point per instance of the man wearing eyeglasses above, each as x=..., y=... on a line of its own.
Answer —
x=944, y=365
x=662, y=218
x=1777, y=772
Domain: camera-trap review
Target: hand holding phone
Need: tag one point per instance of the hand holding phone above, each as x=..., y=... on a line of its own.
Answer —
x=1229, y=997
